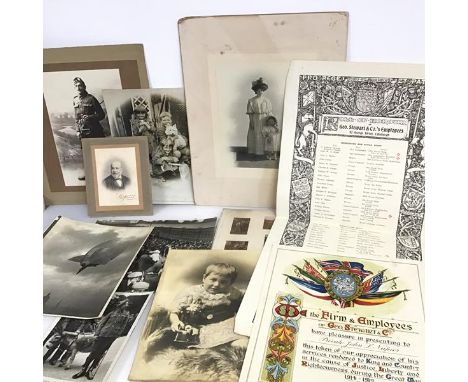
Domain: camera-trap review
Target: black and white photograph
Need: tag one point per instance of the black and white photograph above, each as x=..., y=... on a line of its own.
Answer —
x=76, y=111
x=117, y=172
x=117, y=180
x=159, y=115
x=268, y=223
x=240, y=226
x=189, y=334
x=83, y=265
x=144, y=273
x=78, y=349
x=117, y=176
x=236, y=245
x=249, y=111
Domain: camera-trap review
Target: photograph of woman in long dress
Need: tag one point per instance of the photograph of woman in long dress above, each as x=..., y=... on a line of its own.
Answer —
x=262, y=147
x=258, y=109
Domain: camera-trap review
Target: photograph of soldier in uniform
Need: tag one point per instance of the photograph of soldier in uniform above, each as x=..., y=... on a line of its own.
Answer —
x=76, y=111
x=77, y=349
x=189, y=334
x=159, y=115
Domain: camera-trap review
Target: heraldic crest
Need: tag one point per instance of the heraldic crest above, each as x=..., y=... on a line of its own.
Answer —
x=344, y=283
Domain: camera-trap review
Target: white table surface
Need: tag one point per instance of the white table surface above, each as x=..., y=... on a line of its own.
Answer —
x=379, y=30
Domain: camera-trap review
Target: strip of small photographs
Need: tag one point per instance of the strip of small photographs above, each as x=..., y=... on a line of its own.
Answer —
x=85, y=349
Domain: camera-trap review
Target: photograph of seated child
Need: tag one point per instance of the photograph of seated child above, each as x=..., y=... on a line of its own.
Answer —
x=202, y=316
x=271, y=138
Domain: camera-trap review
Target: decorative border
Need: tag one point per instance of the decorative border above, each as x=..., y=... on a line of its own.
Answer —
x=282, y=339
x=359, y=96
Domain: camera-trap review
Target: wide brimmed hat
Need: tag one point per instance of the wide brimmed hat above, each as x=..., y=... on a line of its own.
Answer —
x=259, y=84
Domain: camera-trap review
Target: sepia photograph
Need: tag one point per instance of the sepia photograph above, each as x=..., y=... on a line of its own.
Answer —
x=189, y=334
x=77, y=349
x=268, y=223
x=159, y=115
x=116, y=169
x=144, y=273
x=83, y=265
x=73, y=108
x=249, y=109
x=240, y=226
x=117, y=176
x=236, y=245
x=76, y=110
x=235, y=69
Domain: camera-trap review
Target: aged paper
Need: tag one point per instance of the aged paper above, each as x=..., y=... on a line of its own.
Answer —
x=234, y=131
x=333, y=318
x=351, y=178
x=248, y=228
x=350, y=191
x=189, y=334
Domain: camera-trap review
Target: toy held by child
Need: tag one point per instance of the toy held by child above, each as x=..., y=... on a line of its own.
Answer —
x=203, y=315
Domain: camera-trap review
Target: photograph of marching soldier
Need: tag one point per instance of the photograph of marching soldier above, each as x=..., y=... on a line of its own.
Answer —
x=77, y=349
x=76, y=111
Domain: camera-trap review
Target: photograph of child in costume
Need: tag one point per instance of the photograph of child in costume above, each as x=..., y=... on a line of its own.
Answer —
x=160, y=115
x=190, y=328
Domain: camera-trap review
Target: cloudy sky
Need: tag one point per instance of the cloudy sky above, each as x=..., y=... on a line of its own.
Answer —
x=85, y=294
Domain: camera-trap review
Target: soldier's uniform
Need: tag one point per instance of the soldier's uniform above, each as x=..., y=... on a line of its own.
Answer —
x=88, y=105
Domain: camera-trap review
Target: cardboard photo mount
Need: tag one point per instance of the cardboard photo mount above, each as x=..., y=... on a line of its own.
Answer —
x=129, y=59
x=285, y=37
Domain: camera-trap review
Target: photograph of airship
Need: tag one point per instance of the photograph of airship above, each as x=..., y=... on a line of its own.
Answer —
x=83, y=265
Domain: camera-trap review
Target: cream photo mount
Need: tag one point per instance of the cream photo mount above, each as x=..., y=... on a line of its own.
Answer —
x=117, y=176
x=243, y=49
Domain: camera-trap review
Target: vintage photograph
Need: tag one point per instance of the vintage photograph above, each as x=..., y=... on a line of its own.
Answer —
x=116, y=170
x=240, y=226
x=77, y=349
x=189, y=334
x=249, y=109
x=76, y=110
x=235, y=69
x=144, y=273
x=159, y=115
x=236, y=245
x=268, y=223
x=117, y=176
x=73, y=108
x=254, y=131
x=83, y=265
x=254, y=225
